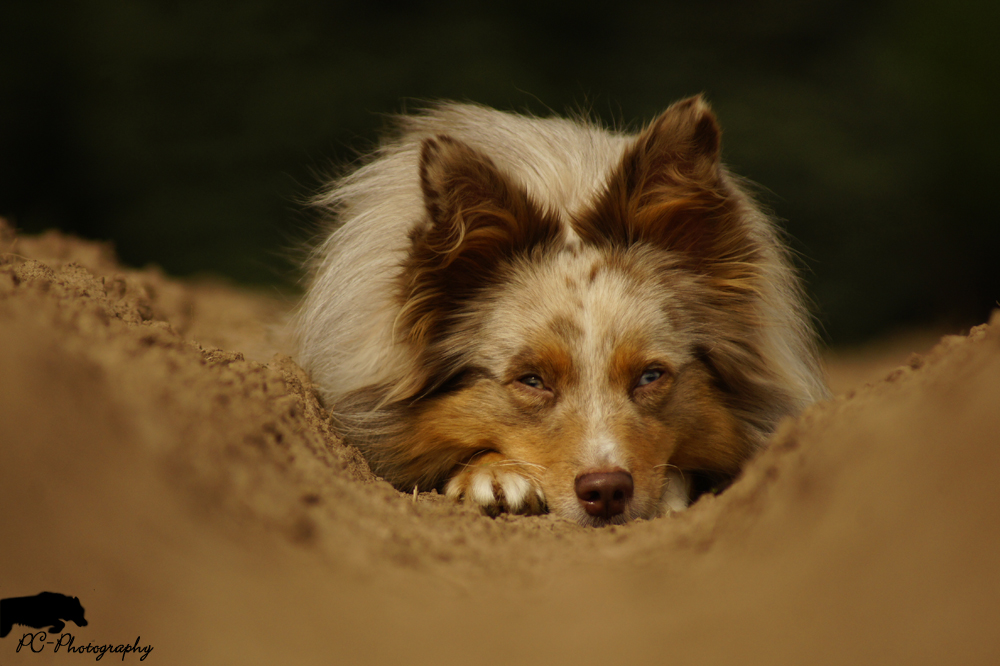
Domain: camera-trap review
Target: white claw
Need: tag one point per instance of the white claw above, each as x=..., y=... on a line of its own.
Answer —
x=481, y=489
x=515, y=489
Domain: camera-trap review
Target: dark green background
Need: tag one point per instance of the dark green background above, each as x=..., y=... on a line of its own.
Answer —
x=188, y=132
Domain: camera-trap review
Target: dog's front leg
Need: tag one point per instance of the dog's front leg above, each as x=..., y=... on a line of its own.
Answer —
x=497, y=484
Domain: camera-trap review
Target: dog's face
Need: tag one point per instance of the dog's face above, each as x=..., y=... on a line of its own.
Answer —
x=583, y=353
x=563, y=354
x=579, y=367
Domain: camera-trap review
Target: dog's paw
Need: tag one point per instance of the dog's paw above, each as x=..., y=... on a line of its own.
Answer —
x=496, y=484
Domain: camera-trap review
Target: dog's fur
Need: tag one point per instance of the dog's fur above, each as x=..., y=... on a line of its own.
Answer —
x=512, y=306
x=46, y=609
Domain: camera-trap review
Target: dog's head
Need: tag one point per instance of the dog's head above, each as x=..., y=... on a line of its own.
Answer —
x=602, y=346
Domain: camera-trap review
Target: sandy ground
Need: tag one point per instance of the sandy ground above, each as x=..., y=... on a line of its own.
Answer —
x=163, y=459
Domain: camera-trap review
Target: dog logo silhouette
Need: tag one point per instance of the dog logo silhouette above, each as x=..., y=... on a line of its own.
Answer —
x=47, y=609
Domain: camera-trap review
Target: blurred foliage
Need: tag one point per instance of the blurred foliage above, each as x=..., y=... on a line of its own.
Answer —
x=189, y=132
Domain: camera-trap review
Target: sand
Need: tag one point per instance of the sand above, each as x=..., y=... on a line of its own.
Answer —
x=165, y=460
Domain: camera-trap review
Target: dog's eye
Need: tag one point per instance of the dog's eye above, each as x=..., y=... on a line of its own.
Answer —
x=534, y=381
x=649, y=376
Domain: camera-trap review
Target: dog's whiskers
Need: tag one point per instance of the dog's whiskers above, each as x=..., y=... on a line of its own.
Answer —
x=523, y=463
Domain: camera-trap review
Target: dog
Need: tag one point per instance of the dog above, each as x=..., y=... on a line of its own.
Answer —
x=46, y=609
x=540, y=314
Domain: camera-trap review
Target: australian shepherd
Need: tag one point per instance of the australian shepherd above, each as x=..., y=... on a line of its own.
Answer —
x=538, y=315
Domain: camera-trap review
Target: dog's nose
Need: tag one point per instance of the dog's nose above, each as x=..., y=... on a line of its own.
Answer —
x=604, y=494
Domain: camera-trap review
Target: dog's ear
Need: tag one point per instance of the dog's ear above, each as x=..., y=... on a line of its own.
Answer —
x=684, y=143
x=478, y=220
x=670, y=190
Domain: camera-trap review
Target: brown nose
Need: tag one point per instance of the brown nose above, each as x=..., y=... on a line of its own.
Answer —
x=604, y=494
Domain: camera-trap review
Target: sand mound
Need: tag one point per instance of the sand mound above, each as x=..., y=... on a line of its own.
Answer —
x=164, y=462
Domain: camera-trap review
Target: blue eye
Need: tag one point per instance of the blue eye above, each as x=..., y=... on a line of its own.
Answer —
x=649, y=376
x=534, y=381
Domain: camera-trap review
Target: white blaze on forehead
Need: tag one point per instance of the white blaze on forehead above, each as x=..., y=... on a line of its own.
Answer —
x=607, y=311
x=601, y=450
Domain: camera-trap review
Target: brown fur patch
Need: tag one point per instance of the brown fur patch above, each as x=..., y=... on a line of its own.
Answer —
x=479, y=220
x=668, y=191
x=548, y=358
x=709, y=436
x=450, y=430
x=445, y=431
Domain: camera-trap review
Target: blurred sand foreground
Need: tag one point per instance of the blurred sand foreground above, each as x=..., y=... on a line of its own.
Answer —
x=158, y=461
